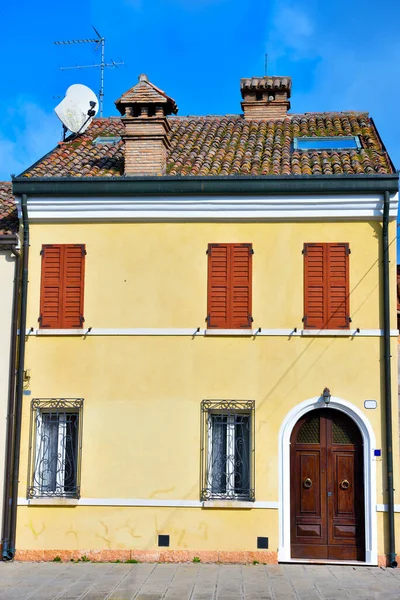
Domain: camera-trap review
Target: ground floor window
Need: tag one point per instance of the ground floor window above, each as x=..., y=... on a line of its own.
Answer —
x=227, y=449
x=55, y=447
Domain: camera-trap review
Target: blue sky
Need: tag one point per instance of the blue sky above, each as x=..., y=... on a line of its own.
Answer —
x=341, y=55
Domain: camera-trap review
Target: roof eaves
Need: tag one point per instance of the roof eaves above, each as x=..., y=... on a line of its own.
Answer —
x=202, y=185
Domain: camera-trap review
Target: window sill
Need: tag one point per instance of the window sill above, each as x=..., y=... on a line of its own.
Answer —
x=330, y=332
x=227, y=504
x=52, y=501
x=235, y=332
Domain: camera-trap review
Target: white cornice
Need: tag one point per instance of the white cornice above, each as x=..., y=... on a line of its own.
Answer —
x=210, y=208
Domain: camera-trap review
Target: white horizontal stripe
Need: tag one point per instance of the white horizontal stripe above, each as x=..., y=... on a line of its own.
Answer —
x=165, y=503
x=111, y=331
x=245, y=332
x=348, y=332
x=384, y=508
x=211, y=208
x=194, y=331
x=138, y=502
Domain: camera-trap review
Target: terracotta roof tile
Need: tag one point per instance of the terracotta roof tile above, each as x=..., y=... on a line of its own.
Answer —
x=8, y=209
x=145, y=92
x=266, y=83
x=228, y=145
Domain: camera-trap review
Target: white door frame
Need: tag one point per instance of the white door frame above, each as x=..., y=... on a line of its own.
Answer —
x=370, y=518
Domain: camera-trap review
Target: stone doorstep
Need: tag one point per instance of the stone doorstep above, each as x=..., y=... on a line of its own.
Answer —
x=158, y=556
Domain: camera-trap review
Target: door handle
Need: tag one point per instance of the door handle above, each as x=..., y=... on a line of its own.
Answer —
x=345, y=484
x=307, y=483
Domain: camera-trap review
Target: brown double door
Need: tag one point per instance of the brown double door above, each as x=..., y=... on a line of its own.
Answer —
x=327, y=487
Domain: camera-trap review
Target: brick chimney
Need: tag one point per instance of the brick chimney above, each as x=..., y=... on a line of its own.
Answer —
x=265, y=97
x=144, y=109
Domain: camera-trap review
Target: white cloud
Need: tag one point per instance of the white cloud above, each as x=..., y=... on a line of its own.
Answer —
x=27, y=133
x=292, y=32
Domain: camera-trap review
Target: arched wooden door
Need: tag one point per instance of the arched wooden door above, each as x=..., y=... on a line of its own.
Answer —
x=327, y=487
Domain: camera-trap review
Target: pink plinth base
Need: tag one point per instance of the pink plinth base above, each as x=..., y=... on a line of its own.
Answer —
x=162, y=556
x=383, y=560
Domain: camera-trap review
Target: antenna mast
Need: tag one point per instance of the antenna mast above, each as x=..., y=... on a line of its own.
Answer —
x=100, y=41
x=265, y=65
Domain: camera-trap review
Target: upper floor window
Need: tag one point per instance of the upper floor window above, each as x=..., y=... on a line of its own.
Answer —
x=326, y=286
x=229, y=286
x=62, y=286
x=227, y=449
x=343, y=142
x=55, y=447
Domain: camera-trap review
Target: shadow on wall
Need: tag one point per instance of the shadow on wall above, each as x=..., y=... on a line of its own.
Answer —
x=377, y=227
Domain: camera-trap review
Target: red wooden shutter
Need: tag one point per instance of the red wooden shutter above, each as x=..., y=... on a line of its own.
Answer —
x=338, y=286
x=326, y=286
x=314, y=286
x=74, y=267
x=218, y=260
x=229, y=286
x=61, y=298
x=51, y=286
x=240, y=289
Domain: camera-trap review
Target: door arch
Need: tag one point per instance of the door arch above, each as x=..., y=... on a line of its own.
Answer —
x=327, y=487
x=368, y=440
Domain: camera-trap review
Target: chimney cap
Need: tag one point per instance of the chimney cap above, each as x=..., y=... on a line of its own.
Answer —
x=268, y=82
x=145, y=93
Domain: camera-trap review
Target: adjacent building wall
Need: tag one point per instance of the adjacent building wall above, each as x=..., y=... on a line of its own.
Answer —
x=7, y=271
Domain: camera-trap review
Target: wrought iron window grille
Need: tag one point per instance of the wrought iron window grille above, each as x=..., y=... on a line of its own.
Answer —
x=55, y=448
x=227, y=450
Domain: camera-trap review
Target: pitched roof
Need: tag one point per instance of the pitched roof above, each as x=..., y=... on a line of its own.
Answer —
x=229, y=145
x=8, y=209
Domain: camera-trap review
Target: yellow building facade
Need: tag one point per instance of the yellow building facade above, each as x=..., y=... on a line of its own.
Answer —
x=155, y=390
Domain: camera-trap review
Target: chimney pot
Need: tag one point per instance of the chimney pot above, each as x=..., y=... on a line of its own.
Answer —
x=144, y=108
x=265, y=97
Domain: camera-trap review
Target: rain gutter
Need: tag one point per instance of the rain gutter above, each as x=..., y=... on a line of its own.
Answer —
x=190, y=185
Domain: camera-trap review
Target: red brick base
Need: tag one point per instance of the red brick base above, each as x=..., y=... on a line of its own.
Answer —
x=383, y=560
x=162, y=556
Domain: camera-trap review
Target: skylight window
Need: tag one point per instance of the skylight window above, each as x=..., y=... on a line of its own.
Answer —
x=350, y=142
x=107, y=140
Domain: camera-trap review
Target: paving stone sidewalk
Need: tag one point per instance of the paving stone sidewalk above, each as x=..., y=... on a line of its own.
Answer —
x=101, y=581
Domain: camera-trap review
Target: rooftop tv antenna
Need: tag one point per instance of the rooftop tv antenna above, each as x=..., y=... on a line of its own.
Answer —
x=265, y=65
x=100, y=41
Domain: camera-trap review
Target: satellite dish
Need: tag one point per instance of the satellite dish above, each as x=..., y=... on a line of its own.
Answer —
x=78, y=108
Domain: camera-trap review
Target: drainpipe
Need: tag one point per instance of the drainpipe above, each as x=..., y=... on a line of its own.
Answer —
x=387, y=378
x=11, y=390
x=9, y=542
